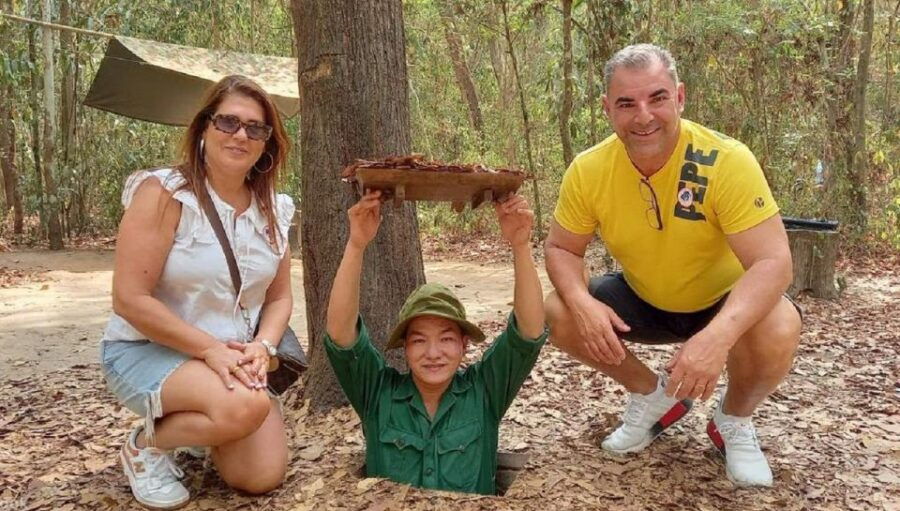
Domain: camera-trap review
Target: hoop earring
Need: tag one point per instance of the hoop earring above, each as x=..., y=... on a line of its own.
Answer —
x=200, y=151
x=268, y=167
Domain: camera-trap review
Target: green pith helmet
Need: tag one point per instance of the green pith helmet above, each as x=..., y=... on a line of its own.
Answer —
x=432, y=300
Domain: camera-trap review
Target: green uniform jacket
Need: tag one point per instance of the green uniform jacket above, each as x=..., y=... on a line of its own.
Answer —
x=458, y=449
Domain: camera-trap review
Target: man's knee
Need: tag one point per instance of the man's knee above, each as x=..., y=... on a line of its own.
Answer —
x=778, y=333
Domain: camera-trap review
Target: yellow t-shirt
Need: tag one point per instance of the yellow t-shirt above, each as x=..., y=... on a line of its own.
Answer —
x=711, y=186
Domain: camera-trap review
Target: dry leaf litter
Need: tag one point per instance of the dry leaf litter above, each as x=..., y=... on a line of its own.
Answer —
x=831, y=433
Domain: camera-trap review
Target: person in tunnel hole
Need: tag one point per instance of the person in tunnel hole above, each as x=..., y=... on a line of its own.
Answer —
x=435, y=426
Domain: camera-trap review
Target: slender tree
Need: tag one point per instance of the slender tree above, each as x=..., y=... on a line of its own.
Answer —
x=858, y=160
x=35, y=107
x=455, y=48
x=843, y=152
x=54, y=230
x=591, y=86
x=887, y=113
x=69, y=69
x=353, y=104
x=565, y=108
x=526, y=122
x=8, y=136
x=507, y=98
x=8, y=159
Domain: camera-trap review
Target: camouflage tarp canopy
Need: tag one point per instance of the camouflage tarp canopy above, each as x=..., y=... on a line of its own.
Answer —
x=164, y=83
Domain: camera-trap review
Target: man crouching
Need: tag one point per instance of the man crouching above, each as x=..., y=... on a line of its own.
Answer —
x=435, y=426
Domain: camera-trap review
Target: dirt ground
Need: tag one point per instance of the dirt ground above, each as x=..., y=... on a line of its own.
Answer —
x=55, y=314
x=831, y=432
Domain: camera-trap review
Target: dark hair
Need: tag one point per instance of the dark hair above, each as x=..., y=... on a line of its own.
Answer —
x=262, y=184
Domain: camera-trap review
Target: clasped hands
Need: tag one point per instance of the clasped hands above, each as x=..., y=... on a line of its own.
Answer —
x=248, y=363
x=694, y=370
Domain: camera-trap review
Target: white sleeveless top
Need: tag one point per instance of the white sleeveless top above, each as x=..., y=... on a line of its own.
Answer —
x=195, y=283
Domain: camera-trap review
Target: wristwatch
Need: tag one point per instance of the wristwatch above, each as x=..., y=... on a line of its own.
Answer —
x=271, y=349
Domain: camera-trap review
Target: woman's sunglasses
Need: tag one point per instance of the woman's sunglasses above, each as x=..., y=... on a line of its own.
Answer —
x=230, y=124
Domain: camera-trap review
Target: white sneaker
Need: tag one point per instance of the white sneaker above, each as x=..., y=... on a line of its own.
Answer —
x=153, y=475
x=735, y=438
x=645, y=418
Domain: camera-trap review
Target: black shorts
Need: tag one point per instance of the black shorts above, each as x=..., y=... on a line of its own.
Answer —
x=650, y=325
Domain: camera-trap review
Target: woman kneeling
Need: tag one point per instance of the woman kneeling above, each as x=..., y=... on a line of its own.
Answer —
x=181, y=349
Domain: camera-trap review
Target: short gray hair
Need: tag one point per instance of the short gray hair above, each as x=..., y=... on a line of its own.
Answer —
x=639, y=56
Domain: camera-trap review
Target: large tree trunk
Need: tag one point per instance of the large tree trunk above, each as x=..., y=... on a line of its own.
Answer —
x=565, y=109
x=353, y=104
x=461, y=71
x=54, y=230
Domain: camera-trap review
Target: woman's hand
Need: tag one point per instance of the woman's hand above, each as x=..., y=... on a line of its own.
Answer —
x=228, y=361
x=365, y=218
x=516, y=220
x=255, y=361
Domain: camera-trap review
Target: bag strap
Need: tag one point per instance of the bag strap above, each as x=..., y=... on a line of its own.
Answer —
x=213, y=216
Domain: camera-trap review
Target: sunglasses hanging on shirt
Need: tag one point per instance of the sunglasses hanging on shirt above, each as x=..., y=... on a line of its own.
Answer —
x=649, y=196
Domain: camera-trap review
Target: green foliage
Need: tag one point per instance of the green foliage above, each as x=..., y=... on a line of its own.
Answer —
x=106, y=148
x=768, y=73
x=884, y=151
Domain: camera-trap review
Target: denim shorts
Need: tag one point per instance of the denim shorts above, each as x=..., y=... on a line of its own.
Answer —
x=650, y=325
x=135, y=372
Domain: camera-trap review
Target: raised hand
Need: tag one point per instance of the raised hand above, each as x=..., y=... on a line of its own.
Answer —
x=365, y=218
x=516, y=220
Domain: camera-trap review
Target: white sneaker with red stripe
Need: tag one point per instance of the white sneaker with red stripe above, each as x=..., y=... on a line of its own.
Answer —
x=153, y=476
x=735, y=438
x=645, y=418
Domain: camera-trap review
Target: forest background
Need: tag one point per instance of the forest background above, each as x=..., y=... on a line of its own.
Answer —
x=809, y=86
